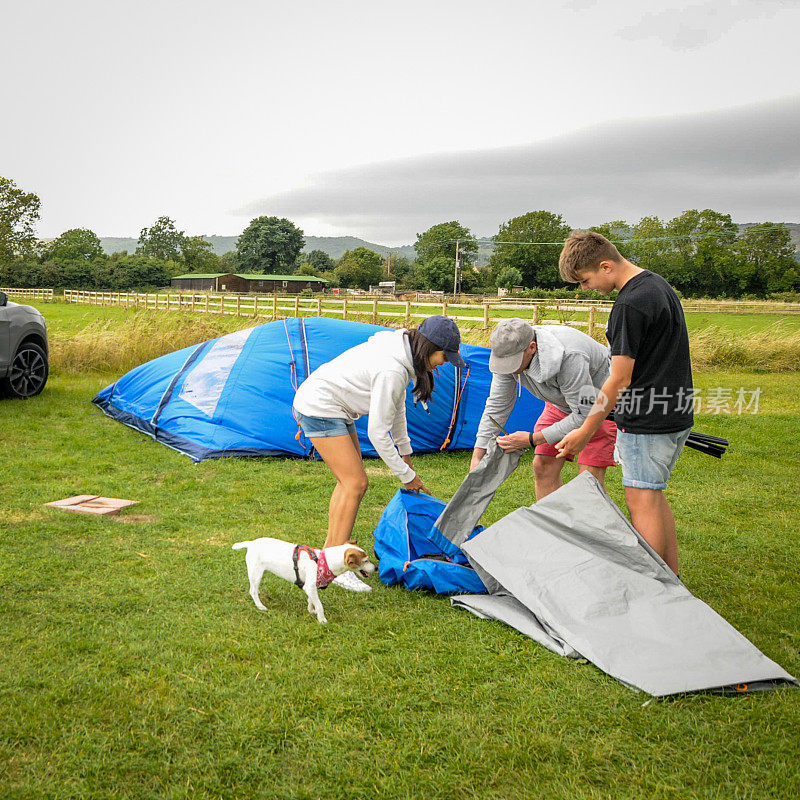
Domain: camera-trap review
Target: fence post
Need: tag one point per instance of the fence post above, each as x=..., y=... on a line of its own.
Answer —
x=255, y=306
x=344, y=308
x=486, y=316
x=444, y=308
x=591, y=321
x=375, y=311
x=319, y=306
x=238, y=305
x=536, y=315
x=408, y=313
x=274, y=306
x=297, y=305
x=180, y=302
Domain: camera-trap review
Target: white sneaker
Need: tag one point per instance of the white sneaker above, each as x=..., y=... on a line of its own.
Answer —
x=349, y=580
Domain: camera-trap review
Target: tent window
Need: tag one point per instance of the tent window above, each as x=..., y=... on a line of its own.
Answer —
x=204, y=385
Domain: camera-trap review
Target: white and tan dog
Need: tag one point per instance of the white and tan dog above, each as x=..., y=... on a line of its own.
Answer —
x=307, y=567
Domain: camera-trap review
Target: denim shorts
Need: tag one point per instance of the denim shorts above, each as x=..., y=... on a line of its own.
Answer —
x=314, y=427
x=648, y=458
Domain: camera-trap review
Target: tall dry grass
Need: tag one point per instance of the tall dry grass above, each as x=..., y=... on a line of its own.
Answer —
x=116, y=346
x=772, y=349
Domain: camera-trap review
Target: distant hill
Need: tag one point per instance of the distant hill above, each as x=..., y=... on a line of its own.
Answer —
x=334, y=246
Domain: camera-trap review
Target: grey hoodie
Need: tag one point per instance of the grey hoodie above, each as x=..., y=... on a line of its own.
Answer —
x=568, y=369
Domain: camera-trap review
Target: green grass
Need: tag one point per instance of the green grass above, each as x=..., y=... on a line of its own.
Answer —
x=135, y=665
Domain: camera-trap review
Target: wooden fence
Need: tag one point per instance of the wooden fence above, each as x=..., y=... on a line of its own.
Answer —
x=374, y=309
x=30, y=294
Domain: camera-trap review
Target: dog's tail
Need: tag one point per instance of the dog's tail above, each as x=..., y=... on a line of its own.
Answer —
x=240, y=545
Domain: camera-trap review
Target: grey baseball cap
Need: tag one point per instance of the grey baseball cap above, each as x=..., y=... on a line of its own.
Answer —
x=444, y=333
x=509, y=340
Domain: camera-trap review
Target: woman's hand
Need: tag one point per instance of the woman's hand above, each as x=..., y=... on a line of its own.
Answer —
x=519, y=440
x=416, y=485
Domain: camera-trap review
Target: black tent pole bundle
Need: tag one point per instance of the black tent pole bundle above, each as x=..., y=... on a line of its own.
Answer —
x=706, y=443
x=703, y=442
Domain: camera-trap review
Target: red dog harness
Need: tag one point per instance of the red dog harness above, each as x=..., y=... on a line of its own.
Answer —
x=324, y=575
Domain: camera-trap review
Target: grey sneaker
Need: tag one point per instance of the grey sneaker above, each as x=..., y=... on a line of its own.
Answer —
x=349, y=580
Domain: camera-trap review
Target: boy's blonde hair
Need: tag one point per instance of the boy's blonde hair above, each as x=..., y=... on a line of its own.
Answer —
x=584, y=250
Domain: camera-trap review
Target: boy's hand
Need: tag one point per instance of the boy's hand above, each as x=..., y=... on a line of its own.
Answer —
x=572, y=443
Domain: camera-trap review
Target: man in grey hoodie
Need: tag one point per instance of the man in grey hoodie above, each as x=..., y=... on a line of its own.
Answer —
x=565, y=368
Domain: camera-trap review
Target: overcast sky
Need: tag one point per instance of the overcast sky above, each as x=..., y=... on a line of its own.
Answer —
x=380, y=119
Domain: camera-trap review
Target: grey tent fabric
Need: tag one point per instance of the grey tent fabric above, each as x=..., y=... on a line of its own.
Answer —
x=573, y=574
x=472, y=498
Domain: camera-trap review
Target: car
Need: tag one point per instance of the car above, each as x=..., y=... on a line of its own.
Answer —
x=24, y=360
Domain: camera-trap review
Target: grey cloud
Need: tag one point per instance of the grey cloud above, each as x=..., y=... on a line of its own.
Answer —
x=690, y=27
x=744, y=161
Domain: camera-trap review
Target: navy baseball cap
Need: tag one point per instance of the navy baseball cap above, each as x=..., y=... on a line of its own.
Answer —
x=444, y=333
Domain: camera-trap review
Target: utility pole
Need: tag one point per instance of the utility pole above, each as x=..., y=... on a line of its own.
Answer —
x=457, y=273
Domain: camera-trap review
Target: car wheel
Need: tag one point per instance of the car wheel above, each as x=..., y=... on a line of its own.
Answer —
x=28, y=373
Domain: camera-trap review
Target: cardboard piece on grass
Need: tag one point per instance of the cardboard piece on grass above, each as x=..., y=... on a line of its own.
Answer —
x=92, y=504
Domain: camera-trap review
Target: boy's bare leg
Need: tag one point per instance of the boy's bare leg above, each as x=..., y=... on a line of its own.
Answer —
x=652, y=516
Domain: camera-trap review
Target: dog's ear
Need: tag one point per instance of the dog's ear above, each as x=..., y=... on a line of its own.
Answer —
x=352, y=541
x=354, y=556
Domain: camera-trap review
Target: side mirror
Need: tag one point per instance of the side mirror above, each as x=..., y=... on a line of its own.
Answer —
x=3, y=299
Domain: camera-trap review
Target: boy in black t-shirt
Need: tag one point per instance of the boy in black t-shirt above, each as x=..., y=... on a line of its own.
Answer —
x=650, y=382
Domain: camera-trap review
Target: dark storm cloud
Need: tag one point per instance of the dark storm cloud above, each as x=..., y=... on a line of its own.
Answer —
x=743, y=161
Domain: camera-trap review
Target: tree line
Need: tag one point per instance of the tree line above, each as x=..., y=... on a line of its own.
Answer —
x=701, y=253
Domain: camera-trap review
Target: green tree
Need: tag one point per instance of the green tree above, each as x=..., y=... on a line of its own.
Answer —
x=19, y=213
x=359, y=268
x=269, y=245
x=198, y=256
x=319, y=260
x=767, y=260
x=649, y=247
x=440, y=241
x=538, y=263
x=508, y=278
x=121, y=272
x=704, y=248
x=397, y=268
x=162, y=241
x=76, y=244
x=434, y=273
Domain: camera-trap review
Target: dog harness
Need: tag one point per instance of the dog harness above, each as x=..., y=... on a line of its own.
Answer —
x=324, y=575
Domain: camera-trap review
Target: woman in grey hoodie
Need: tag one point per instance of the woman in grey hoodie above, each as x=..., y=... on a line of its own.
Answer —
x=371, y=378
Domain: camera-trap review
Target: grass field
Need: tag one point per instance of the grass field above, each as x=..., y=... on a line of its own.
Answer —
x=135, y=665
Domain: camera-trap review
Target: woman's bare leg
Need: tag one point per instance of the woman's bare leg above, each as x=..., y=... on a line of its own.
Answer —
x=342, y=454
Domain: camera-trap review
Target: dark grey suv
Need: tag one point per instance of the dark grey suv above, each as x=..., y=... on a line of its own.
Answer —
x=23, y=349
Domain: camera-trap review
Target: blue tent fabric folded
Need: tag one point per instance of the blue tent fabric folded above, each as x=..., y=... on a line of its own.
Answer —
x=414, y=554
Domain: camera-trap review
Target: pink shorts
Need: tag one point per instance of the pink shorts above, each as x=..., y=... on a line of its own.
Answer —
x=599, y=452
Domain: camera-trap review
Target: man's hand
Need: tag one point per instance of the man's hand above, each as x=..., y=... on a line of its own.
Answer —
x=519, y=440
x=573, y=442
x=407, y=459
x=477, y=456
x=416, y=485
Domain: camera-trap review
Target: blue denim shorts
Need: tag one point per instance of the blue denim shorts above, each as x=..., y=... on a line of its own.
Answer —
x=648, y=458
x=314, y=427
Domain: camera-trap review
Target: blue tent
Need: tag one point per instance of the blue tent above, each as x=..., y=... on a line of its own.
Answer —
x=232, y=396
